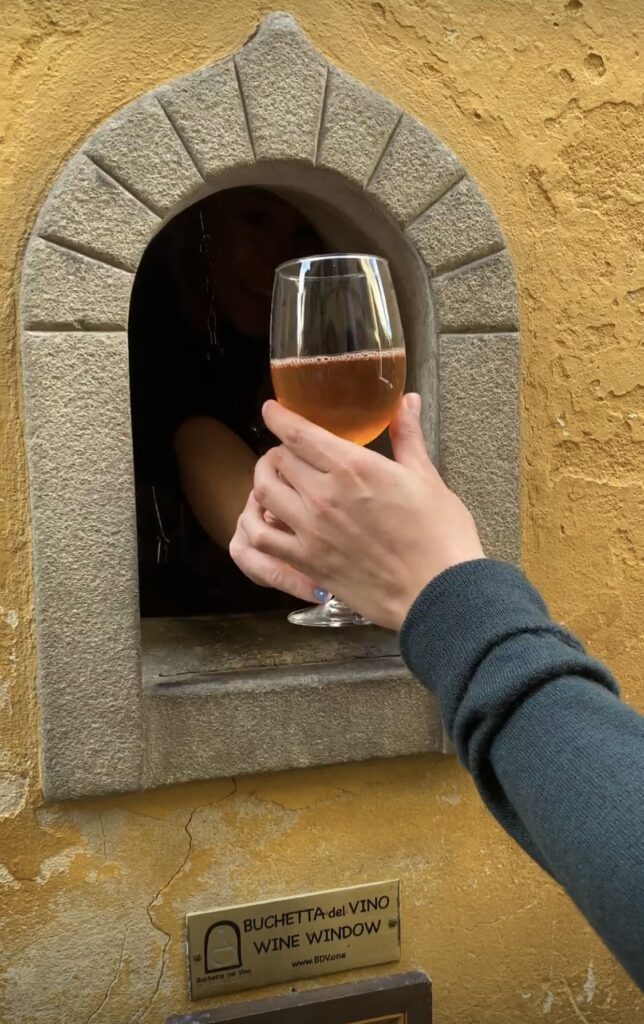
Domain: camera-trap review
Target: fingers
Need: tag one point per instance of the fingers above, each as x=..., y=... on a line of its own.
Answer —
x=272, y=521
x=269, y=572
x=272, y=494
x=298, y=474
x=267, y=539
x=309, y=442
x=406, y=435
x=407, y=439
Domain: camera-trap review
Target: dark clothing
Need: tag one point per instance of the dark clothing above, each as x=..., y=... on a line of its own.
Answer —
x=557, y=758
x=185, y=374
x=184, y=364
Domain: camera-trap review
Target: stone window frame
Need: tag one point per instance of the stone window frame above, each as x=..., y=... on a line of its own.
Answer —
x=274, y=112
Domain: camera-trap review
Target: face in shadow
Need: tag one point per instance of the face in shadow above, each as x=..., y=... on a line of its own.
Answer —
x=252, y=231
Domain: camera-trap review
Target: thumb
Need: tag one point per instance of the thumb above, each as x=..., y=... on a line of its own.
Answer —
x=407, y=439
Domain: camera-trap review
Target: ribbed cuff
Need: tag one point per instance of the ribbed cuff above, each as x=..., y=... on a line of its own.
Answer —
x=461, y=613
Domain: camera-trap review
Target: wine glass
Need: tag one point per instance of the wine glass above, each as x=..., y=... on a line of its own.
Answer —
x=338, y=359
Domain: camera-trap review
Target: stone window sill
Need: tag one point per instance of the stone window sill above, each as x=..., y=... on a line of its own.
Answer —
x=237, y=694
x=181, y=653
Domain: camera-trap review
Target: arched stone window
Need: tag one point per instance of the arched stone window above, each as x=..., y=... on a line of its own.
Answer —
x=219, y=703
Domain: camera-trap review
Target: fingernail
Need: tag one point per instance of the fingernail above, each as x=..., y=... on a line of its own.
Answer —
x=413, y=403
x=321, y=595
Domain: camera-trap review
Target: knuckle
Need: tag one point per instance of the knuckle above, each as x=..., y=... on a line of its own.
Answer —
x=350, y=468
x=276, y=456
x=252, y=529
x=323, y=503
x=261, y=538
x=259, y=471
x=236, y=541
x=266, y=465
x=293, y=437
x=260, y=490
x=239, y=553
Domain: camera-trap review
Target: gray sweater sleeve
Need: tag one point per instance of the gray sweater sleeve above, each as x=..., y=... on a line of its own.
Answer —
x=556, y=756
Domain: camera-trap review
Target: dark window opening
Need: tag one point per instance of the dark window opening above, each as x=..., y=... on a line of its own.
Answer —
x=200, y=372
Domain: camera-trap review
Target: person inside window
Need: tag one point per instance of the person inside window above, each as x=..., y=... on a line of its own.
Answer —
x=200, y=371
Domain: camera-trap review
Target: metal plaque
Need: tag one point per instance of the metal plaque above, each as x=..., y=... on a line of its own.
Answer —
x=298, y=937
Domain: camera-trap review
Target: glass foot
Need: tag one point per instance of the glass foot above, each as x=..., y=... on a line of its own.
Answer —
x=331, y=613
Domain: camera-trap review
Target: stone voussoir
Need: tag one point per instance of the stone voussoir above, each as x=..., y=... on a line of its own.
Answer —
x=207, y=110
x=142, y=150
x=458, y=228
x=63, y=287
x=87, y=209
x=480, y=297
x=356, y=127
x=283, y=81
x=416, y=168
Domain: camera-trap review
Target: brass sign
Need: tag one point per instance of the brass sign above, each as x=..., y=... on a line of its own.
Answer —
x=297, y=937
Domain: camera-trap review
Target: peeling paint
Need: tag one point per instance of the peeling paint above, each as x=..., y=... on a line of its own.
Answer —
x=452, y=797
x=58, y=863
x=543, y=103
x=6, y=878
x=5, y=697
x=590, y=985
x=13, y=794
x=9, y=617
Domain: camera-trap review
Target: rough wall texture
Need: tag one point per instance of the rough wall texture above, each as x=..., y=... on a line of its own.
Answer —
x=543, y=102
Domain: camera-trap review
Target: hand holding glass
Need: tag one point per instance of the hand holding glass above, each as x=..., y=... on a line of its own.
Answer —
x=338, y=359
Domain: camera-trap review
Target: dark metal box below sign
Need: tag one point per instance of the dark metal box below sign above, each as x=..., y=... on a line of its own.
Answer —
x=392, y=999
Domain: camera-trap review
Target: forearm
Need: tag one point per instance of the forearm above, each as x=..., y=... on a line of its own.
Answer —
x=216, y=472
x=570, y=763
x=555, y=755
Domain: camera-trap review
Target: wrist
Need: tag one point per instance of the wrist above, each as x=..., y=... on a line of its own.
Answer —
x=403, y=603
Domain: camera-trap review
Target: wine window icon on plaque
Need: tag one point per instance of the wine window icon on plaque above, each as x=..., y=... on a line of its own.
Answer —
x=222, y=947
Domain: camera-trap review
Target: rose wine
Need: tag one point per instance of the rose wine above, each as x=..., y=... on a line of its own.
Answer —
x=354, y=395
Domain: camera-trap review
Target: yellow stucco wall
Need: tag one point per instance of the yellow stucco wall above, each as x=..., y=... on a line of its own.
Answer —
x=543, y=102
